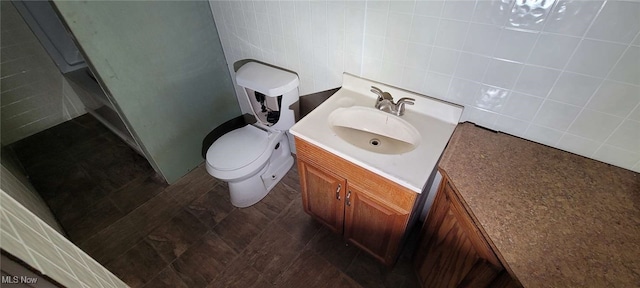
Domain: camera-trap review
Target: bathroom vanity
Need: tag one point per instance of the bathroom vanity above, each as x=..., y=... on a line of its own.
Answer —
x=370, y=211
x=362, y=170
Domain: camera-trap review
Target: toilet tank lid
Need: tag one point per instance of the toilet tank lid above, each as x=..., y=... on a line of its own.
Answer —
x=265, y=79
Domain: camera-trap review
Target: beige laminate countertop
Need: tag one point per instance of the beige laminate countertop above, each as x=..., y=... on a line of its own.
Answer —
x=555, y=218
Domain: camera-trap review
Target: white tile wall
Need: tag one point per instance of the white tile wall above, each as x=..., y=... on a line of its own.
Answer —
x=27, y=237
x=20, y=189
x=563, y=73
x=35, y=95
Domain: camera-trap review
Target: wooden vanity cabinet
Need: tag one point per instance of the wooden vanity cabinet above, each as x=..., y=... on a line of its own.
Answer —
x=452, y=251
x=370, y=212
x=317, y=199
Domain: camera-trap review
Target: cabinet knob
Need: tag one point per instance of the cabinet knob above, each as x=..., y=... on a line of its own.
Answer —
x=338, y=192
x=349, y=198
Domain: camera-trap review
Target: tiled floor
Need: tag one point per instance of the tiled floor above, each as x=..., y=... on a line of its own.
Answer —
x=113, y=206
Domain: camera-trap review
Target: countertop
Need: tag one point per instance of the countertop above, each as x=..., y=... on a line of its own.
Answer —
x=555, y=218
x=433, y=119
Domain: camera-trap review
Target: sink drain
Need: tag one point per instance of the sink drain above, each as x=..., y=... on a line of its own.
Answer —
x=374, y=142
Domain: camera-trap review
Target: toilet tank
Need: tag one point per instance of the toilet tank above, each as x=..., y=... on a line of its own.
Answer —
x=271, y=89
x=266, y=79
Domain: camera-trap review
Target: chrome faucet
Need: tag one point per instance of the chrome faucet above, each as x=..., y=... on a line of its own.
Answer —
x=385, y=102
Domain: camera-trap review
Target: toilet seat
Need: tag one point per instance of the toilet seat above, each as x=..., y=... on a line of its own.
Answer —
x=240, y=153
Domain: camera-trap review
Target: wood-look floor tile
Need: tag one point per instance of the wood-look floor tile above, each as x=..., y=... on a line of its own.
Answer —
x=69, y=187
x=153, y=213
x=112, y=241
x=99, y=217
x=292, y=179
x=369, y=272
x=239, y=273
x=167, y=278
x=91, y=123
x=190, y=187
x=213, y=206
x=138, y=265
x=298, y=223
x=276, y=201
x=241, y=227
x=71, y=133
x=33, y=149
x=204, y=261
x=172, y=238
x=272, y=251
x=114, y=166
x=83, y=176
x=310, y=270
x=137, y=192
x=333, y=248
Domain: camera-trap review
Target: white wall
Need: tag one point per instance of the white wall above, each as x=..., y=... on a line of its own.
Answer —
x=34, y=95
x=566, y=74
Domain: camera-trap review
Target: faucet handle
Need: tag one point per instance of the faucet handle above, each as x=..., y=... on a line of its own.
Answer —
x=400, y=105
x=377, y=91
x=405, y=100
x=381, y=95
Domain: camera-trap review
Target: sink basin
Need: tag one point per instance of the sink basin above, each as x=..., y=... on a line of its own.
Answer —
x=402, y=149
x=374, y=130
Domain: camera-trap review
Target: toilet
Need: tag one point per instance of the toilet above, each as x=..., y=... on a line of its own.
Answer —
x=254, y=158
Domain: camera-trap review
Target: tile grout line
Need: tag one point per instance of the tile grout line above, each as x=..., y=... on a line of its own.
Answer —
x=564, y=69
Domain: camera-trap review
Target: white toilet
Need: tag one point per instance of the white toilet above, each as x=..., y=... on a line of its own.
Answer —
x=252, y=159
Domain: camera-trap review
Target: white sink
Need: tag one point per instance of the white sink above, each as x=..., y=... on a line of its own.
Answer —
x=404, y=149
x=374, y=130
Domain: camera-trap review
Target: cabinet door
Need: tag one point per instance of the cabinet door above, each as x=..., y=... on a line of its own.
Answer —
x=451, y=252
x=323, y=195
x=372, y=224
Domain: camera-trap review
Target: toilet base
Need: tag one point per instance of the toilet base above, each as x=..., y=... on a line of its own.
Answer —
x=251, y=190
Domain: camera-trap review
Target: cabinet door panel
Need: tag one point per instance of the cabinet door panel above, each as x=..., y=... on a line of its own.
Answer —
x=451, y=254
x=373, y=225
x=323, y=195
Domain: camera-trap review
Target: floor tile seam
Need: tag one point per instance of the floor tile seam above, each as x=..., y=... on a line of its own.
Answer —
x=142, y=235
x=226, y=267
x=83, y=216
x=127, y=217
x=286, y=268
x=160, y=272
x=107, y=263
x=241, y=252
x=119, y=222
x=279, y=217
x=124, y=213
x=344, y=273
x=222, y=273
x=351, y=263
x=305, y=248
x=206, y=224
x=286, y=186
x=143, y=177
x=169, y=218
x=282, y=212
x=170, y=264
x=173, y=192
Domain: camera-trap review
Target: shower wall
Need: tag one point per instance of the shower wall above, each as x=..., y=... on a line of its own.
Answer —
x=161, y=63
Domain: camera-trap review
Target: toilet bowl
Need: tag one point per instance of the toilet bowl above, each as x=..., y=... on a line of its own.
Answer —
x=254, y=158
